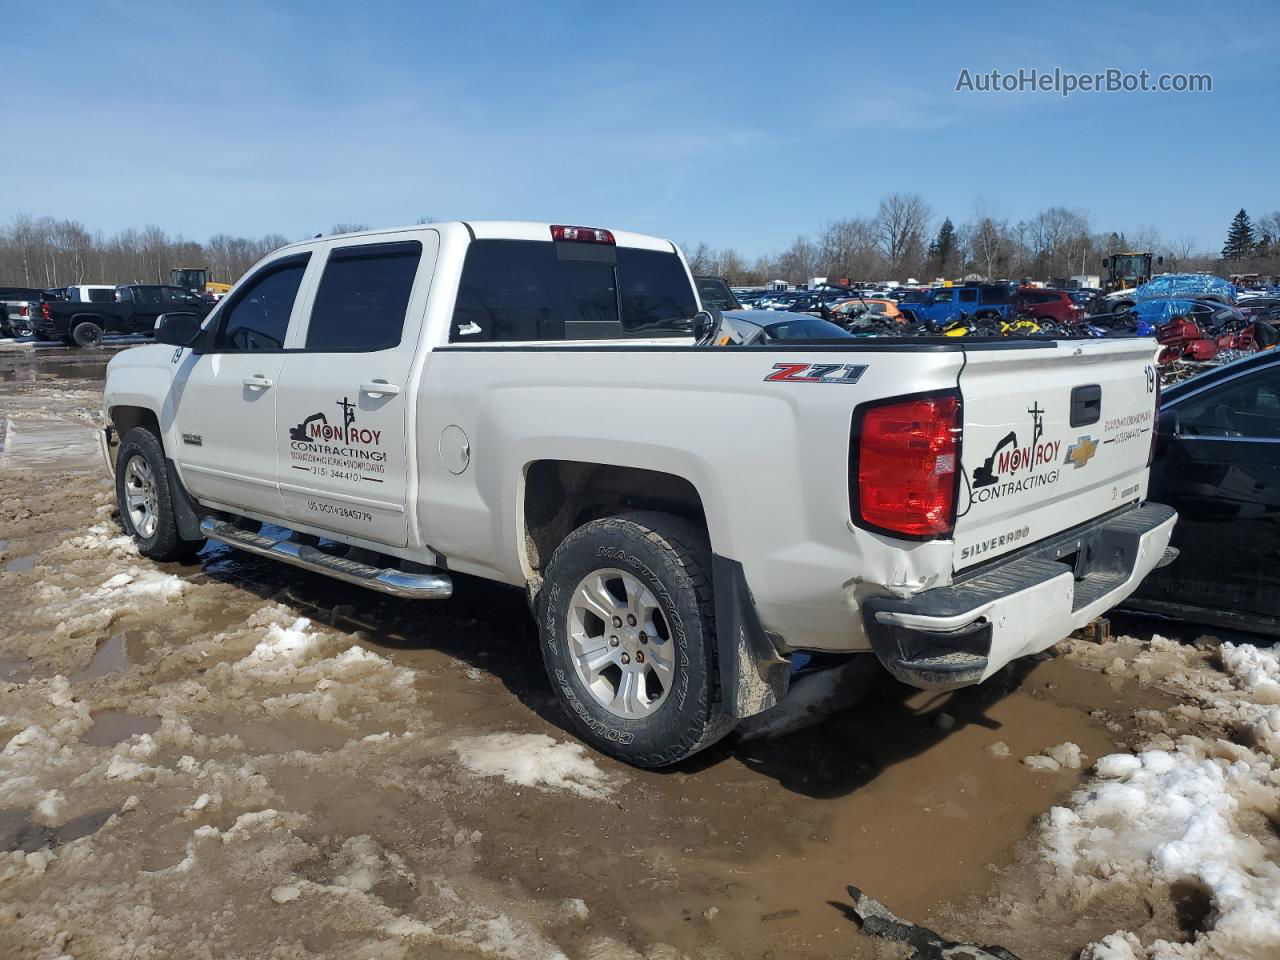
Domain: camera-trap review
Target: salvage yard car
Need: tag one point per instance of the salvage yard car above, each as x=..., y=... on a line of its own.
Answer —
x=546, y=406
x=131, y=308
x=1218, y=464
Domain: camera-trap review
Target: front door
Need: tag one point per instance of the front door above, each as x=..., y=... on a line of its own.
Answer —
x=226, y=391
x=343, y=409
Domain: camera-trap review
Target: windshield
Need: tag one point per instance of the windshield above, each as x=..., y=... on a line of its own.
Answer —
x=1132, y=265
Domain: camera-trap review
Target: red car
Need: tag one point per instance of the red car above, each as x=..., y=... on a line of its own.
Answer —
x=1055, y=305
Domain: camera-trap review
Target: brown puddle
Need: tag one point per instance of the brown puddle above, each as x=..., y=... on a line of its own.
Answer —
x=22, y=564
x=753, y=844
x=114, y=726
x=17, y=832
x=15, y=669
x=119, y=652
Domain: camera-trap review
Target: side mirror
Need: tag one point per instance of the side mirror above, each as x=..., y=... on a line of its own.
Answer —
x=177, y=329
x=706, y=326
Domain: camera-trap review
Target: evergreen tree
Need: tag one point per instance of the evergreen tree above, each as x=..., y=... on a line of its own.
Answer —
x=942, y=248
x=1241, y=240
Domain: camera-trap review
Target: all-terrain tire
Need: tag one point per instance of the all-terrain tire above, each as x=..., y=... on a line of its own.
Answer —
x=164, y=542
x=86, y=334
x=672, y=558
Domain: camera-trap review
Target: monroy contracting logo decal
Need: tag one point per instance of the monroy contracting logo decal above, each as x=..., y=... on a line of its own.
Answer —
x=347, y=452
x=817, y=372
x=1011, y=466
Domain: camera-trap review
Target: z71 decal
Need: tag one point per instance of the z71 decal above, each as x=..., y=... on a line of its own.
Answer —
x=817, y=372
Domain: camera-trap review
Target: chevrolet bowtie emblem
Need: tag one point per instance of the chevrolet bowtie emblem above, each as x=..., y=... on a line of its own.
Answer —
x=1081, y=452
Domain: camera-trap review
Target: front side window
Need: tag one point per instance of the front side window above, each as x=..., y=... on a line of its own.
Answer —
x=1249, y=407
x=258, y=319
x=363, y=296
x=148, y=296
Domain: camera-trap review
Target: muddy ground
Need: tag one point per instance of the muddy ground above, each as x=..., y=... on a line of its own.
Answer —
x=236, y=759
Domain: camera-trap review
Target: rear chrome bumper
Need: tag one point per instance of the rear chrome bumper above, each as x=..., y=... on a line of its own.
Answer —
x=959, y=635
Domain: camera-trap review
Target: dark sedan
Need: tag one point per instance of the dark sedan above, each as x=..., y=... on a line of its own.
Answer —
x=1218, y=463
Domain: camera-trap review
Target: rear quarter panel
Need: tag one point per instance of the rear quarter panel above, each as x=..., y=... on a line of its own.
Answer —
x=769, y=459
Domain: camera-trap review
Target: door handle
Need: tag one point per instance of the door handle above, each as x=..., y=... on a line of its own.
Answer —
x=379, y=388
x=257, y=383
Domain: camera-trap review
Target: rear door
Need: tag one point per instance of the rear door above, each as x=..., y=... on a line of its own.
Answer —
x=149, y=301
x=1055, y=434
x=343, y=409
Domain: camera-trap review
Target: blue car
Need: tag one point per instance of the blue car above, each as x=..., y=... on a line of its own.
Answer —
x=945, y=304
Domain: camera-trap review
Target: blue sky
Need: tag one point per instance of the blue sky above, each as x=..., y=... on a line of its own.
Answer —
x=742, y=124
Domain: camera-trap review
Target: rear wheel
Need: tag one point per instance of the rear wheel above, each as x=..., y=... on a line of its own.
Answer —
x=86, y=334
x=628, y=637
x=145, y=498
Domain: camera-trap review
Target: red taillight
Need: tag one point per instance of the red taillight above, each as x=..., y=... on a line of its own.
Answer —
x=581, y=234
x=44, y=311
x=905, y=457
x=24, y=311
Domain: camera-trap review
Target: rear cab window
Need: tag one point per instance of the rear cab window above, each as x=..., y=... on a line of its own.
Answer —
x=535, y=290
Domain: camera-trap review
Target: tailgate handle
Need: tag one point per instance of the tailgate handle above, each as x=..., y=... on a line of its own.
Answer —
x=1086, y=405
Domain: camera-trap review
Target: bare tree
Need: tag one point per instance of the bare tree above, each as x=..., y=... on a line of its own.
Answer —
x=901, y=223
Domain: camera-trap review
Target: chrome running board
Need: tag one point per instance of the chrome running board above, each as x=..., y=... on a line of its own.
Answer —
x=413, y=586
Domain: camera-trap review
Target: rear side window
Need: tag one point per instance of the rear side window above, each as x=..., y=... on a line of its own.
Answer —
x=363, y=296
x=995, y=295
x=524, y=290
x=969, y=295
x=258, y=319
x=656, y=296
x=102, y=296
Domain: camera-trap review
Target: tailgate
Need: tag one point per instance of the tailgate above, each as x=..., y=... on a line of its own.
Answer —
x=1054, y=436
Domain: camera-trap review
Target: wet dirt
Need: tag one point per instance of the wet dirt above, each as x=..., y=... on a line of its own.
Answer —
x=321, y=756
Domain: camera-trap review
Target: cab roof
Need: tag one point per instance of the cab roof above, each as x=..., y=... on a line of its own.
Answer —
x=510, y=230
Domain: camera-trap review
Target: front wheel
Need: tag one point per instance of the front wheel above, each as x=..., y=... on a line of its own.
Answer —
x=627, y=626
x=146, y=500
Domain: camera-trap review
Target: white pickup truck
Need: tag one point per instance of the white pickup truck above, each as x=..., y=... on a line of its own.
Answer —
x=527, y=403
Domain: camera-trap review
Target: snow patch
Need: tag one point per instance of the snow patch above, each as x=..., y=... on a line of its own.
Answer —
x=1187, y=811
x=534, y=760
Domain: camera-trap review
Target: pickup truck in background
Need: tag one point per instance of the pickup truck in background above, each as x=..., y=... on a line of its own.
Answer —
x=87, y=315
x=547, y=407
x=18, y=306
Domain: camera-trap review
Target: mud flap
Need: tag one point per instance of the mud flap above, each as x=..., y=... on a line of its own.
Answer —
x=753, y=675
x=184, y=508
